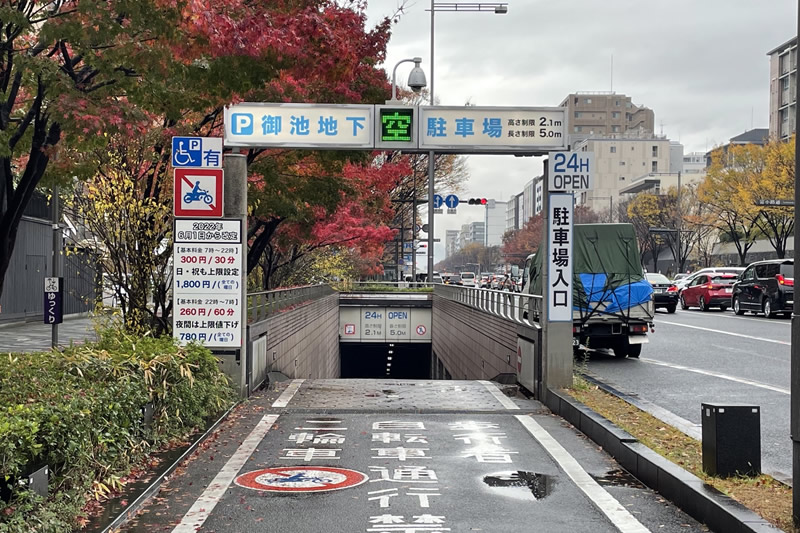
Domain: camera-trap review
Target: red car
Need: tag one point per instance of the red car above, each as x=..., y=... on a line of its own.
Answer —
x=709, y=290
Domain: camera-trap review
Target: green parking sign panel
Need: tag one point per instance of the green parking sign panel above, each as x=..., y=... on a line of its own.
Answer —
x=396, y=127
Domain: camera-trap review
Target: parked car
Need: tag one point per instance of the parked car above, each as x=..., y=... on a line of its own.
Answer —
x=709, y=290
x=765, y=287
x=665, y=293
x=685, y=282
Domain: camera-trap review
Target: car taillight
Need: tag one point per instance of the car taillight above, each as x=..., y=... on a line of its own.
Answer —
x=789, y=282
x=672, y=288
x=709, y=286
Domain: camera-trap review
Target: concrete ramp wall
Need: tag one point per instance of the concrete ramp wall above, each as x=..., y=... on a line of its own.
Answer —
x=300, y=342
x=472, y=344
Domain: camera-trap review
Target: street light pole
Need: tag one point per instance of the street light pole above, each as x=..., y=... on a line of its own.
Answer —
x=499, y=8
x=431, y=169
x=416, y=80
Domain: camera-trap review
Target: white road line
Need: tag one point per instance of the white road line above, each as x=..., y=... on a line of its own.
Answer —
x=196, y=516
x=726, y=333
x=753, y=319
x=717, y=375
x=284, y=399
x=498, y=394
x=619, y=516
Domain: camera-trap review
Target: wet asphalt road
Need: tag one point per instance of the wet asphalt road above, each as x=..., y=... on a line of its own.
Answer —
x=725, y=359
x=386, y=456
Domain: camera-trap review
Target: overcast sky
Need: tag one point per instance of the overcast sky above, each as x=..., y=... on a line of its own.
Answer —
x=701, y=65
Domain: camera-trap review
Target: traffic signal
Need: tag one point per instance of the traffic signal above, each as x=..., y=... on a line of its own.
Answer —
x=478, y=201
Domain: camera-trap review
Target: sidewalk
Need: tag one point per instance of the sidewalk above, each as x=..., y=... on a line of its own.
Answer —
x=36, y=336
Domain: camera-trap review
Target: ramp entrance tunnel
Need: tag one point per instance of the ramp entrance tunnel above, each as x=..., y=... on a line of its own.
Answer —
x=385, y=360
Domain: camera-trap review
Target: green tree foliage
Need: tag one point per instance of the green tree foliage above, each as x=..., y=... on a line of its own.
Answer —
x=130, y=228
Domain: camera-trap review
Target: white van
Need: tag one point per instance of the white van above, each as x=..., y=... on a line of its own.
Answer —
x=468, y=279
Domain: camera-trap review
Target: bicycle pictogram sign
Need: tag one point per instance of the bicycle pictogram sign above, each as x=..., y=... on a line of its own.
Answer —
x=301, y=479
x=198, y=192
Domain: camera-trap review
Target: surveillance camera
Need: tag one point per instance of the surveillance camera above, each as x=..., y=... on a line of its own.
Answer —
x=416, y=80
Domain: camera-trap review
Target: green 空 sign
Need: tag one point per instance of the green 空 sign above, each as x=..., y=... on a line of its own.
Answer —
x=397, y=125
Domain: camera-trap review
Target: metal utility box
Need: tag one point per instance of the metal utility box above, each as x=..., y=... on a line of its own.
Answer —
x=731, y=439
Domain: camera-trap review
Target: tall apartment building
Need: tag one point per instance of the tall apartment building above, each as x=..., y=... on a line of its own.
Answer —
x=494, y=222
x=605, y=114
x=620, y=161
x=451, y=242
x=782, y=89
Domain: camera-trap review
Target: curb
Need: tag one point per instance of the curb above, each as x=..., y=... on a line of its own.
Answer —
x=699, y=500
x=154, y=486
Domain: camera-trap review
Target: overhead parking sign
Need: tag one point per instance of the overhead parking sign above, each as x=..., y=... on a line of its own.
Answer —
x=198, y=192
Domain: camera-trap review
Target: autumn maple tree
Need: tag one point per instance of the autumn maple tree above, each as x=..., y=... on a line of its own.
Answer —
x=73, y=71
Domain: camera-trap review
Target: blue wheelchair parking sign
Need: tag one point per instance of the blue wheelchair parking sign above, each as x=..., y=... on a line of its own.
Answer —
x=197, y=152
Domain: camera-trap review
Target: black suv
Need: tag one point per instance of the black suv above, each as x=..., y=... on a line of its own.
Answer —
x=765, y=287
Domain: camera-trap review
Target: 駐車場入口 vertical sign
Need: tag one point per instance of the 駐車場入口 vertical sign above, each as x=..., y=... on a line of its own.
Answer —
x=559, y=257
x=207, y=278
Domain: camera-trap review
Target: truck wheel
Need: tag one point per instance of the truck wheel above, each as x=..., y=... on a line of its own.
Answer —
x=634, y=350
x=621, y=349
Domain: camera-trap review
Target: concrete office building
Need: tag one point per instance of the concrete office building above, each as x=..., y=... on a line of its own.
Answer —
x=605, y=114
x=621, y=160
x=494, y=221
x=476, y=232
x=451, y=242
x=538, y=195
x=463, y=236
x=782, y=89
x=694, y=163
x=514, y=212
x=528, y=202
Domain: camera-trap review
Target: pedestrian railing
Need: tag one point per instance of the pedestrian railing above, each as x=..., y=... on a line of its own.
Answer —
x=513, y=306
x=261, y=305
x=382, y=286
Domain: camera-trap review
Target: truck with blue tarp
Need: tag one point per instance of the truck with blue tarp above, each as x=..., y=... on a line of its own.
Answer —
x=612, y=302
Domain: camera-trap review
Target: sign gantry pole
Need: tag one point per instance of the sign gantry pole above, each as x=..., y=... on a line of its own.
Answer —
x=794, y=426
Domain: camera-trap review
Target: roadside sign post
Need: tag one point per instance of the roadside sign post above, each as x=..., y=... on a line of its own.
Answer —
x=54, y=302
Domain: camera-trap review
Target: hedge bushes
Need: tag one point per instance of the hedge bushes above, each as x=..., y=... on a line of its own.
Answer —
x=81, y=413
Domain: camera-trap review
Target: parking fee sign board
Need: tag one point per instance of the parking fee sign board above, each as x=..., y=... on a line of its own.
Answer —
x=198, y=192
x=559, y=257
x=207, y=278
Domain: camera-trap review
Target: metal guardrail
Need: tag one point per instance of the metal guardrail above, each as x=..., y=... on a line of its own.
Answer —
x=261, y=305
x=507, y=305
x=377, y=286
